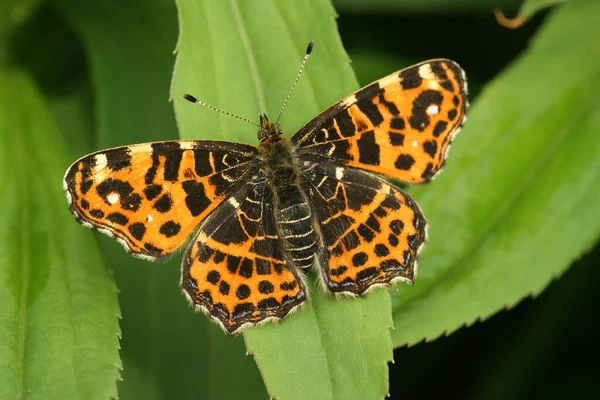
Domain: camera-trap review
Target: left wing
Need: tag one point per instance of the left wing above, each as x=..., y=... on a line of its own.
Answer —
x=152, y=196
x=400, y=126
x=235, y=270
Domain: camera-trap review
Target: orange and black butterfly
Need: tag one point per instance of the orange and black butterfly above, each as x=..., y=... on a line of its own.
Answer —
x=260, y=216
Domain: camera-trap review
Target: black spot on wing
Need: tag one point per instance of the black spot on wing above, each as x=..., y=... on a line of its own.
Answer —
x=171, y=153
x=419, y=119
x=396, y=139
x=202, y=162
x=404, y=162
x=242, y=292
x=397, y=123
x=345, y=124
x=137, y=230
x=438, y=70
x=117, y=218
x=195, y=199
x=163, y=204
x=97, y=213
x=439, y=128
x=430, y=147
x=368, y=150
x=129, y=200
x=410, y=78
x=366, y=103
x=170, y=229
x=118, y=159
x=152, y=191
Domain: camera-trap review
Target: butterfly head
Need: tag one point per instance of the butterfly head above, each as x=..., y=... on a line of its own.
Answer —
x=269, y=131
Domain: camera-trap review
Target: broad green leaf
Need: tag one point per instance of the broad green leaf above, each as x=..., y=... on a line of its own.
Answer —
x=59, y=330
x=243, y=58
x=518, y=200
x=420, y=6
x=168, y=351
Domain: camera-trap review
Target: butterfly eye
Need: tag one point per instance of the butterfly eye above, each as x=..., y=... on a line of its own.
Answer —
x=262, y=135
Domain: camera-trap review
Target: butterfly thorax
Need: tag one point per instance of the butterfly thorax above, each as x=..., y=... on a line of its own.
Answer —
x=279, y=164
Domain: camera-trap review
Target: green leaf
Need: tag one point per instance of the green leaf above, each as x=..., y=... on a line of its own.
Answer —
x=518, y=201
x=168, y=350
x=243, y=59
x=59, y=330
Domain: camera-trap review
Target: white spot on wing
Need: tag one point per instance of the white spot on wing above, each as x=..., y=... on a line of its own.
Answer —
x=186, y=145
x=425, y=72
x=388, y=80
x=143, y=148
x=100, y=162
x=234, y=202
x=433, y=109
x=149, y=218
x=348, y=101
x=339, y=173
x=112, y=198
x=415, y=143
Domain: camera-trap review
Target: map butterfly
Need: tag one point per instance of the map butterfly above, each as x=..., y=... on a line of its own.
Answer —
x=262, y=215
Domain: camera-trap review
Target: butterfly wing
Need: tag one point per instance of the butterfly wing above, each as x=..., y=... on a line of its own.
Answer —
x=152, y=196
x=372, y=231
x=400, y=126
x=235, y=270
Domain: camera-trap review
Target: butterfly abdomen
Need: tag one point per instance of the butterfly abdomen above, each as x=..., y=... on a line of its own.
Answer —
x=295, y=221
x=293, y=214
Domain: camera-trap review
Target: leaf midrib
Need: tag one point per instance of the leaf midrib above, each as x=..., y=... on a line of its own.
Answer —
x=249, y=55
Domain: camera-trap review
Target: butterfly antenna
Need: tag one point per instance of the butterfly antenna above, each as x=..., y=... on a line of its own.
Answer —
x=192, y=99
x=306, y=54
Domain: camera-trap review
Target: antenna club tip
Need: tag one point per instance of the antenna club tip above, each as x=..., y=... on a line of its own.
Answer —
x=310, y=47
x=190, y=98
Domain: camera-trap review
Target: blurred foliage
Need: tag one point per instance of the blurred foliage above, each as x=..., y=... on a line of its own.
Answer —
x=517, y=204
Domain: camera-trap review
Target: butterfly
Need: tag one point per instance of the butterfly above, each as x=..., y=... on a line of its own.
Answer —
x=261, y=215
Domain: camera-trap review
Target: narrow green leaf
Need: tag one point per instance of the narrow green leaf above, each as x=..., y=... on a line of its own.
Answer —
x=168, y=350
x=59, y=330
x=243, y=58
x=518, y=201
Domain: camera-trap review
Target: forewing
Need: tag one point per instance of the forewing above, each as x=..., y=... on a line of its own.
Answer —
x=235, y=270
x=152, y=196
x=372, y=231
x=400, y=126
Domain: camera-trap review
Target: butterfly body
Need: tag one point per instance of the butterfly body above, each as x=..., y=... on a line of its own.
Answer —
x=259, y=215
x=278, y=162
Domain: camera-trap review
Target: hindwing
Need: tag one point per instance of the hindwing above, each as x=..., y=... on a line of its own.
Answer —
x=235, y=269
x=372, y=231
